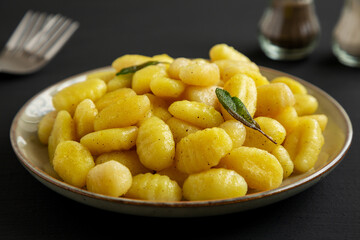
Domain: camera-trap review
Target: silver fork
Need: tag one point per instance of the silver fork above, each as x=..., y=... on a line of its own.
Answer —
x=35, y=41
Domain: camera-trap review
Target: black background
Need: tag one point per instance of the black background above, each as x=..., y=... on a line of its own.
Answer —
x=108, y=29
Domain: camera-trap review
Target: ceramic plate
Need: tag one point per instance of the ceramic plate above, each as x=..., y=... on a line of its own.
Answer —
x=33, y=156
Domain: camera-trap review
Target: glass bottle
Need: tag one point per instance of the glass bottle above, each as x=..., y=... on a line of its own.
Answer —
x=346, y=34
x=289, y=29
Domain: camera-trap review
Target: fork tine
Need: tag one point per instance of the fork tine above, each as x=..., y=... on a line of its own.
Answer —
x=27, y=31
x=61, y=40
x=18, y=32
x=57, y=31
x=38, y=24
x=40, y=37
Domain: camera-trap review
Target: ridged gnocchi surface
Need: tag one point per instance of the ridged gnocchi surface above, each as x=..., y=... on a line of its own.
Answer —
x=155, y=144
x=261, y=170
x=154, y=187
x=216, y=183
x=202, y=150
x=69, y=97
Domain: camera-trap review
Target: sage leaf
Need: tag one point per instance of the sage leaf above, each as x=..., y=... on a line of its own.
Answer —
x=236, y=108
x=133, y=69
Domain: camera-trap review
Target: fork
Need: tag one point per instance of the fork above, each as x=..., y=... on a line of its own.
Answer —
x=35, y=41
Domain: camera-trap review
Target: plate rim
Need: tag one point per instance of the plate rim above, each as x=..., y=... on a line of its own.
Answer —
x=324, y=170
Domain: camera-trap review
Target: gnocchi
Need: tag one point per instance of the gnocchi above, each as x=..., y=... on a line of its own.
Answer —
x=110, y=178
x=72, y=161
x=159, y=133
x=216, y=183
x=154, y=187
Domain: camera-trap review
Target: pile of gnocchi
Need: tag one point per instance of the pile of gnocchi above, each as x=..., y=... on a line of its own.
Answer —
x=160, y=134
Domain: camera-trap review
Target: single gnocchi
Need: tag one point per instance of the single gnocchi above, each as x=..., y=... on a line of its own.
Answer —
x=154, y=187
x=62, y=130
x=261, y=170
x=236, y=130
x=72, y=161
x=202, y=150
x=216, y=183
x=196, y=113
x=155, y=144
x=269, y=126
x=45, y=126
x=109, y=140
x=244, y=88
x=113, y=96
x=69, y=97
x=124, y=112
x=106, y=76
x=84, y=117
x=224, y=51
x=304, y=144
x=273, y=98
x=200, y=73
x=110, y=178
x=166, y=87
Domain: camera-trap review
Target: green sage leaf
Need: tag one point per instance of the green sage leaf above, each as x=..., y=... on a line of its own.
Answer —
x=236, y=108
x=133, y=69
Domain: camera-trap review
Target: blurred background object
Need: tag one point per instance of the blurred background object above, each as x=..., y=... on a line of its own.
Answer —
x=35, y=41
x=346, y=35
x=289, y=29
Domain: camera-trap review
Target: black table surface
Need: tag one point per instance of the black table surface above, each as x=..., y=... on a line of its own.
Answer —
x=29, y=210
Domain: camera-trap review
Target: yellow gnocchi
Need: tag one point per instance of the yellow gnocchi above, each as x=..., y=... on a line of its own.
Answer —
x=155, y=144
x=72, y=162
x=154, y=187
x=269, y=126
x=244, y=88
x=216, y=183
x=196, y=113
x=124, y=112
x=236, y=130
x=202, y=94
x=69, y=97
x=128, y=158
x=84, y=117
x=180, y=128
x=113, y=96
x=202, y=150
x=110, y=178
x=166, y=87
x=45, y=126
x=176, y=65
x=129, y=60
x=305, y=104
x=304, y=144
x=199, y=73
x=62, y=130
x=106, y=76
x=273, y=98
x=109, y=140
x=160, y=133
x=261, y=170
x=224, y=51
